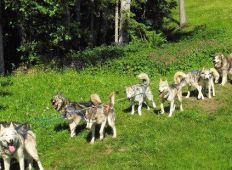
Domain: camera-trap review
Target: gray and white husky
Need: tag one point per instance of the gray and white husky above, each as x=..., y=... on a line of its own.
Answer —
x=206, y=81
x=224, y=66
x=169, y=93
x=140, y=93
x=198, y=79
x=102, y=114
x=20, y=143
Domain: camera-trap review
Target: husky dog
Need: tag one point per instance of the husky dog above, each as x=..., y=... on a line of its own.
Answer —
x=169, y=93
x=101, y=114
x=193, y=80
x=224, y=66
x=206, y=80
x=18, y=142
x=72, y=111
x=140, y=93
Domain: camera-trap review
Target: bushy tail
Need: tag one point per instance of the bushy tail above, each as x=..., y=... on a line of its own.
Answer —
x=179, y=75
x=95, y=99
x=229, y=58
x=112, y=98
x=215, y=74
x=144, y=77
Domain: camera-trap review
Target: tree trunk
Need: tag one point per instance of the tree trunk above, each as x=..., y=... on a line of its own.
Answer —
x=92, y=24
x=182, y=13
x=67, y=16
x=78, y=11
x=78, y=20
x=124, y=21
x=2, y=66
x=116, y=23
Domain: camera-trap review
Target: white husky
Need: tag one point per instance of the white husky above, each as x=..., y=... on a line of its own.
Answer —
x=20, y=146
x=140, y=93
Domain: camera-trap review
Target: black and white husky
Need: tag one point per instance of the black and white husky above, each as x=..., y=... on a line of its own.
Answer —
x=18, y=141
x=140, y=93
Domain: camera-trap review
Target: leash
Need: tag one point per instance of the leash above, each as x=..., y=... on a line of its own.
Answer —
x=44, y=121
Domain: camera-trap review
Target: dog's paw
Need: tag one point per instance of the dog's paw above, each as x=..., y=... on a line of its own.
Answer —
x=72, y=135
x=114, y=136
x=92, y=142
x=101, y=137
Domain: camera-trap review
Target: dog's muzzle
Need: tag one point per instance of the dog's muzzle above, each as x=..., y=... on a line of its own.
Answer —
x=11, y=146
x=161, y=93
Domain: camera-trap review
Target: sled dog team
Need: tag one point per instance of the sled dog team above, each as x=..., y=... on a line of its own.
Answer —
x=18, y=141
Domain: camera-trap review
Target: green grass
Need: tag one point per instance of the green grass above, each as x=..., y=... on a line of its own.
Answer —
x=198, y=138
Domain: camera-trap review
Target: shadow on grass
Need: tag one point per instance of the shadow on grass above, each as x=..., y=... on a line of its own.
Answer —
x=176, y=34
x=2, y=107
x=107, y=131
x=128, y=110
x=65, y=126
x=6, y=83
x=5, y=93
x=89, y=57
x=15, y=165
x=193, y=93
x=166, y=110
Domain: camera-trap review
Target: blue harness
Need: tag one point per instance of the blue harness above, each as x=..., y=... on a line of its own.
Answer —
x=195, y=72
x=70, y=110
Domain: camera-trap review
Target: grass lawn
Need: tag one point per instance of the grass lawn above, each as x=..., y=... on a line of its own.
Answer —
x=198, y=138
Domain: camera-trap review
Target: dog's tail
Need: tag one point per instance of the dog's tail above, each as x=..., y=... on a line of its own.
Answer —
x=229, y=58
x=215, y=74
x=144, y=77
x=179, y=75
x=112, y=98
x=95, y=99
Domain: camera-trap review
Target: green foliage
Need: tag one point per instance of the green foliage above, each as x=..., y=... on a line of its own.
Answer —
x=141, y=32
x=154, y=13
x=54, y=29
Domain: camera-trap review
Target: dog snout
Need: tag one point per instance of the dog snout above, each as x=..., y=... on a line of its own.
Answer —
x=11, y=141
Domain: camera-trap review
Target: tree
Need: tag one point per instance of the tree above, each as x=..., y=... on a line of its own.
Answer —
x=116, y=23
x=124, y=21
x=2, y=67
x=92, y=40
x=182, y=13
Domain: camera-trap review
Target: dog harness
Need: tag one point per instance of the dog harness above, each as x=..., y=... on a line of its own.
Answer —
x=195, y=72
x=144, y=89
x=70, y=110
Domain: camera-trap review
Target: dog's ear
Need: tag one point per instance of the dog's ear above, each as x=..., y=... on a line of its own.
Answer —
x=11, y=125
